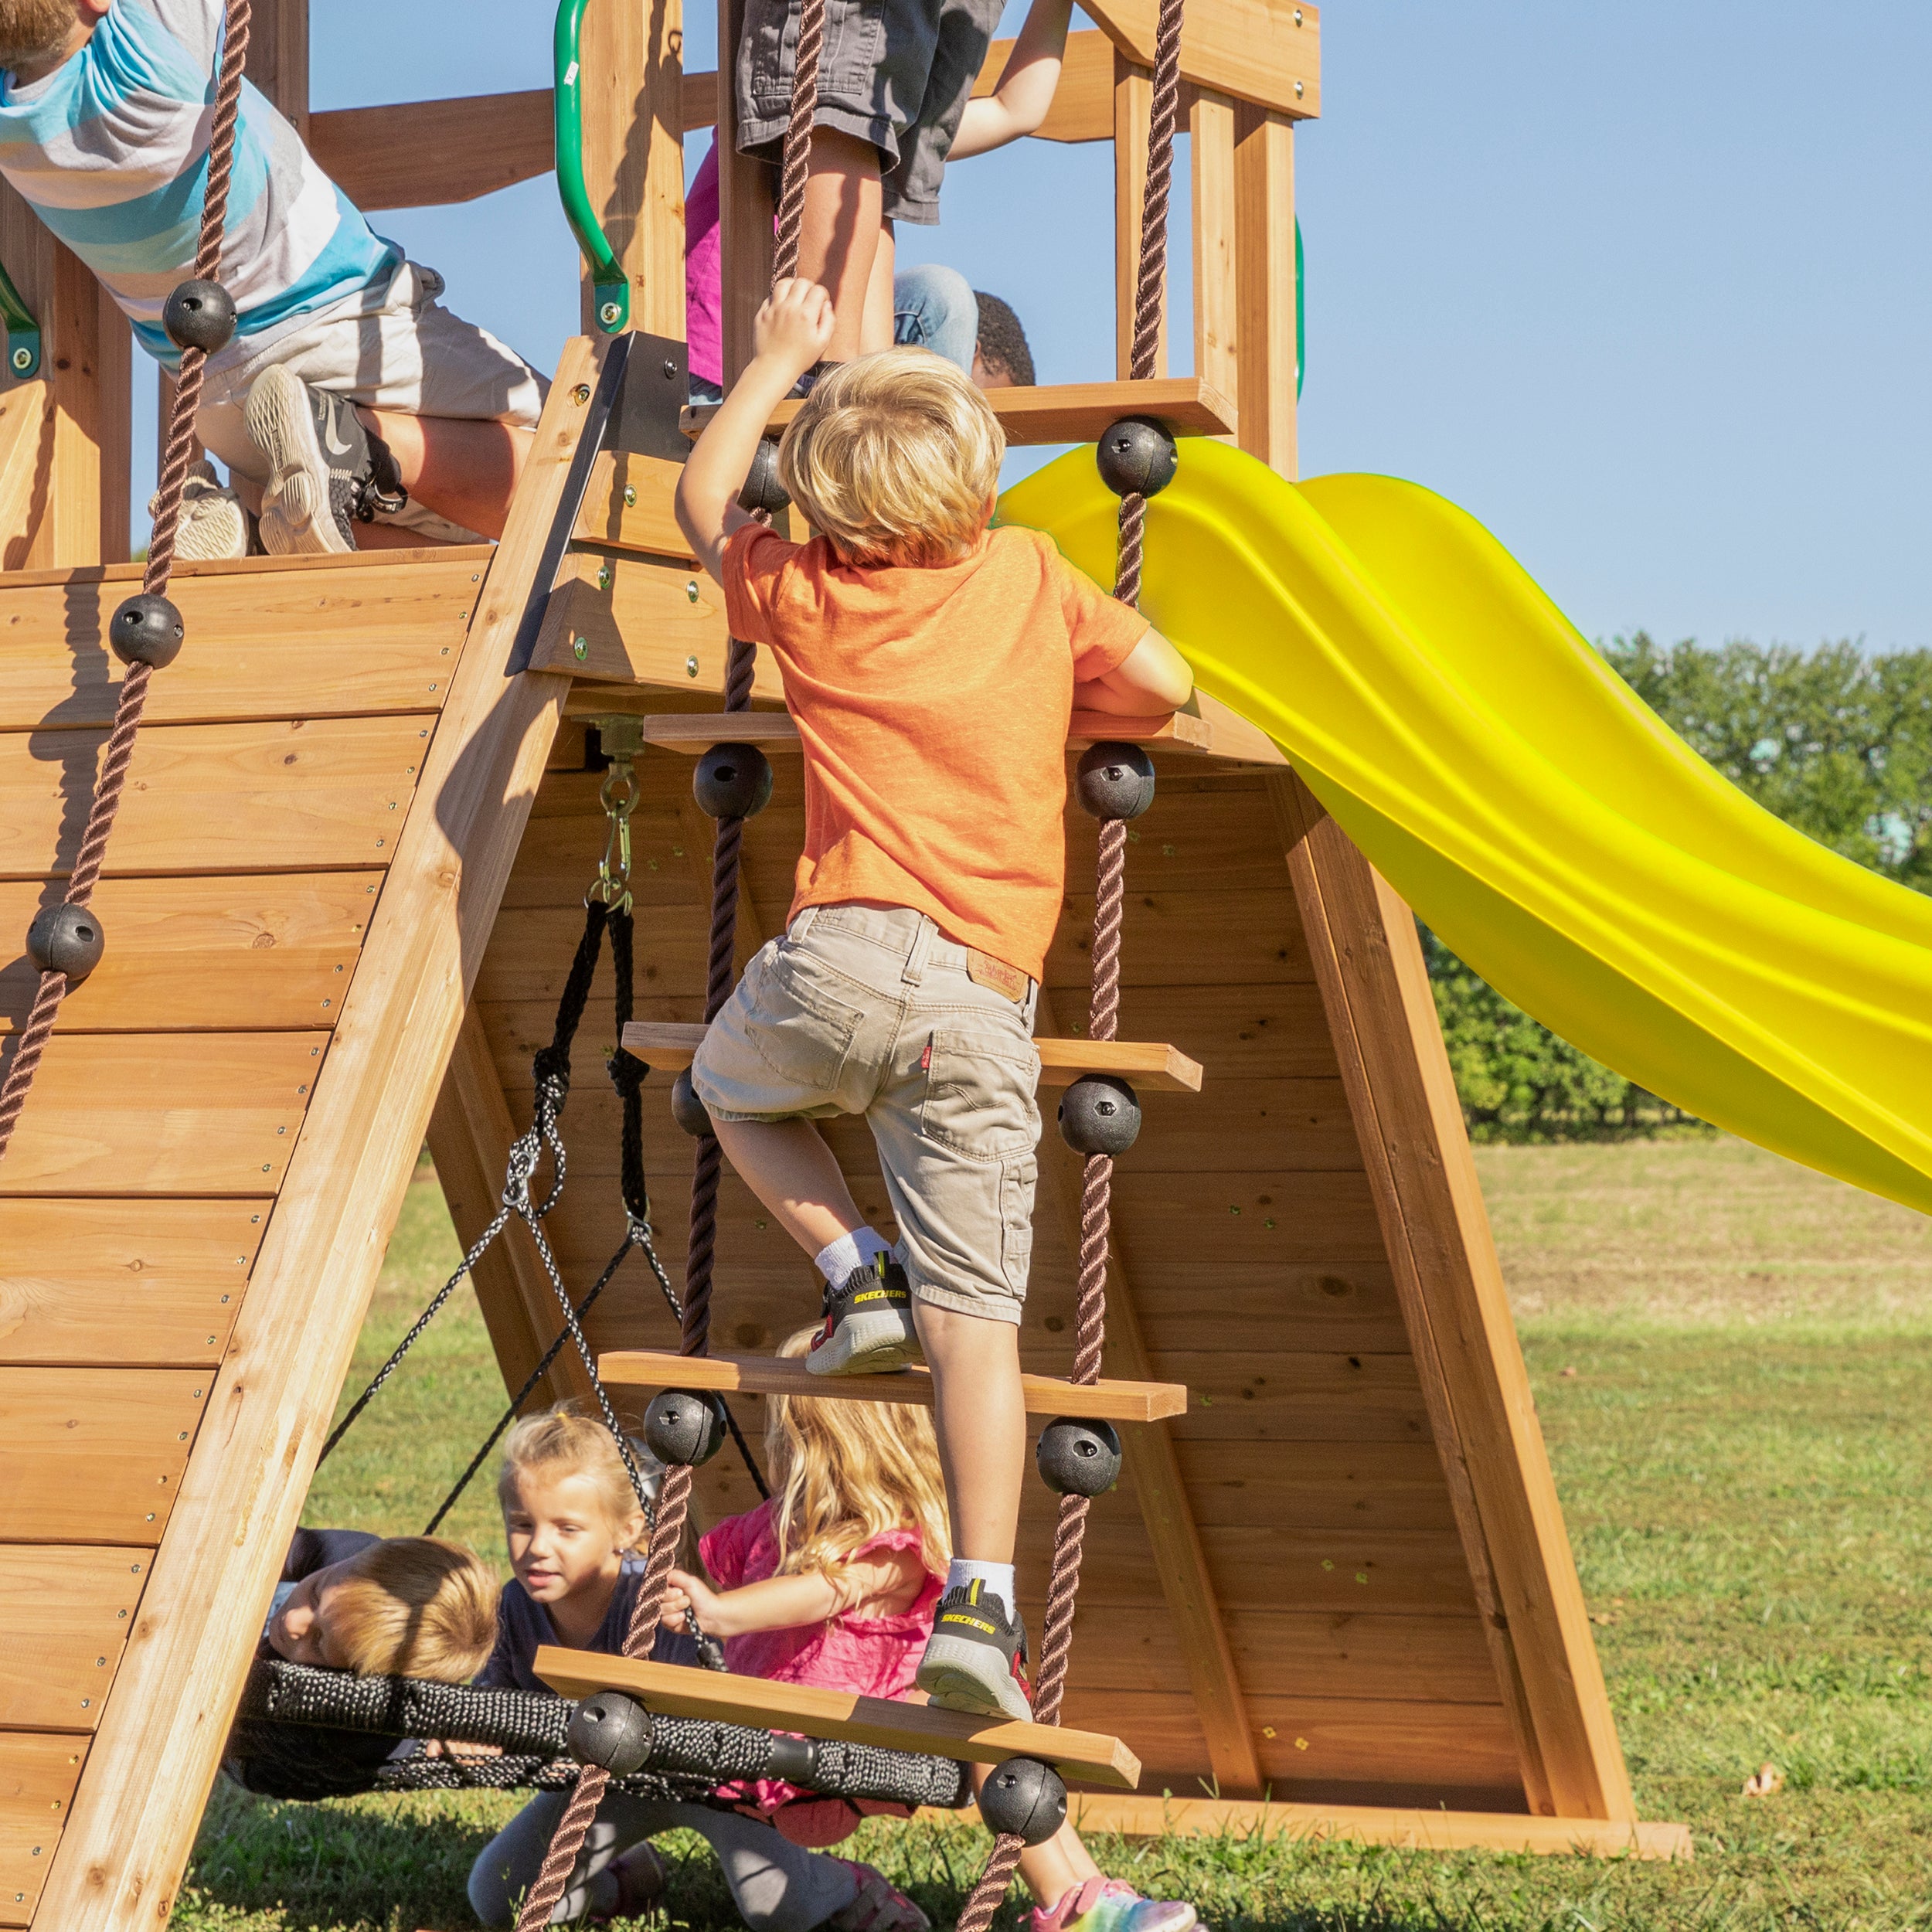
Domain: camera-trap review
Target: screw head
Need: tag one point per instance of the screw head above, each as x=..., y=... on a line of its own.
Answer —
x=23, y=359
x=1297, y=90
x=580, y=648
x=630, y=496
x=604, y=577
x=690, y=667
x=607, y=313
x=581, y=393
x=691, y=589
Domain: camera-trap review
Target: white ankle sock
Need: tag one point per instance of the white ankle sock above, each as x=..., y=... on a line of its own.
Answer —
x=853, y=1251
x=995, y=1579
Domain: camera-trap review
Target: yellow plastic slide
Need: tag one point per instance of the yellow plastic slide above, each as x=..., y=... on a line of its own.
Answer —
x=1540, y=817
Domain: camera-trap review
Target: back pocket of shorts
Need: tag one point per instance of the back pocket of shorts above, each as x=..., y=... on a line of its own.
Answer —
x=979, y=1094
x=800, y=1030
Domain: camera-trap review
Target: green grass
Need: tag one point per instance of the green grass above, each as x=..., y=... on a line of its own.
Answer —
x=1743, y=1461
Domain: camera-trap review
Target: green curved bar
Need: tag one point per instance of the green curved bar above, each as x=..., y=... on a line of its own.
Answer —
x=1300, y=314
x=23, y=332
x=607, y=276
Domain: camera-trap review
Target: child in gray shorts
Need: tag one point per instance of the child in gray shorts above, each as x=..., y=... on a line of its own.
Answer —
x=932, y=665
x=894, y=81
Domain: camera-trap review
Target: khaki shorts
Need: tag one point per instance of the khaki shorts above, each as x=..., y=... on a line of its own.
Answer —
x=395, y=347
x=865, y=1009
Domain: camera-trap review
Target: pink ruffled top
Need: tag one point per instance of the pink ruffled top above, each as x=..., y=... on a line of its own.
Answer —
x=874, y=1656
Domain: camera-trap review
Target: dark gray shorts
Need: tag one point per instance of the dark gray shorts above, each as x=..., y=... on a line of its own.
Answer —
x=895, y=72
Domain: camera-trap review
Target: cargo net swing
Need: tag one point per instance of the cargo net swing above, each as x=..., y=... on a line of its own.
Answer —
x=66, y=941
x=1023, y=1799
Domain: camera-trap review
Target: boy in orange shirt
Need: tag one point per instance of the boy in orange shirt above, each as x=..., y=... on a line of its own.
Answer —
x=932, y=665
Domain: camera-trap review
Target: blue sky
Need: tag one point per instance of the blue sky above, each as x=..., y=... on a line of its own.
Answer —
x=1647, y=290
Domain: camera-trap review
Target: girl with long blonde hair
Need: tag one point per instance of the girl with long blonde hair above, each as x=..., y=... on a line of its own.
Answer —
x=834, y=1582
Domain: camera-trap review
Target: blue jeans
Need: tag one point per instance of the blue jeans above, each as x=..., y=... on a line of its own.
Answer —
x=933, y=307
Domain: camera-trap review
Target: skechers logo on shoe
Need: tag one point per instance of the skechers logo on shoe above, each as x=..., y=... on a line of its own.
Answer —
x=898, y=1297
x=971, y=1623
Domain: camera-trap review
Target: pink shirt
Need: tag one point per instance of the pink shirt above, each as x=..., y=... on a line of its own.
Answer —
x=874, y=1656
x=704, y=273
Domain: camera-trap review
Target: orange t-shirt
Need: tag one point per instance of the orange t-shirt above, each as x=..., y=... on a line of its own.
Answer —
x=933, y=706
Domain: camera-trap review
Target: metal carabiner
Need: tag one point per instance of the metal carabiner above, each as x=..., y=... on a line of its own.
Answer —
x=618, y=796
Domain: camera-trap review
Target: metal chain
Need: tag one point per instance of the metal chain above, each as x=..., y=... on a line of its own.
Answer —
x=133, y=699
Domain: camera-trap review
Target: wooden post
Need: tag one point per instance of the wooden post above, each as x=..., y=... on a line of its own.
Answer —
x=77, y=505
x=278, y=56
x=1211, y=124
x=745, y=207
x=1264, y=276
x=1133, y=114
x=632, y=97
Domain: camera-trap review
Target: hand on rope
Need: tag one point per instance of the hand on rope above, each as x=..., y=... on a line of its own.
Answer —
x=66, y=942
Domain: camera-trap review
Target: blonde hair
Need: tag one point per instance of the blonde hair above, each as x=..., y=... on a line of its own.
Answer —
x=414, y=1607
x=565, y=1441
x=895, y=458
x=845, y=1472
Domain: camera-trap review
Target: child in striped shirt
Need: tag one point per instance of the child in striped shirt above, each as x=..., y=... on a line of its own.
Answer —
x=350, y=408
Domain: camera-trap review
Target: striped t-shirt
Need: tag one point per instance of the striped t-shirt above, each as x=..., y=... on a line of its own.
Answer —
x=111, y=151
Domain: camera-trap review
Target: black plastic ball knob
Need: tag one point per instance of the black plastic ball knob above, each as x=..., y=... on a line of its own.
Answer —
x=681, y=1426
x=66, y=939
x=732, y=781
x=1025, y=1799
x=199, y=315
x=1137, y=458
x=763, y=490
x=687, y=1110
x=611, y=1730
x=1077, y=1458
x=1100, y=1114
x=147, y=630
x=1113, y=781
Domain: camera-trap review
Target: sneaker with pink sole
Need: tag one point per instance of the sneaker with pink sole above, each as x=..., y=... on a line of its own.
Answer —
x=1112, y=1905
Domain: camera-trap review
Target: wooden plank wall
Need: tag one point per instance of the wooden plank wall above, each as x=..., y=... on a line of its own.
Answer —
x=1247, y=1231
x=278, y=761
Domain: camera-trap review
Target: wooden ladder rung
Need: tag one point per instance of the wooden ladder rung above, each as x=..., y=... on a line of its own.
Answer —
x=1071, y=412
x=764, y=1375
x=668, y=1046
x=776, y=732
x=676, y=1690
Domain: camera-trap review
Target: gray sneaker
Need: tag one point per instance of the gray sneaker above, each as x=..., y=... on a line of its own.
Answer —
x=975, y=1656
x=328, y=473
x=869, y=1327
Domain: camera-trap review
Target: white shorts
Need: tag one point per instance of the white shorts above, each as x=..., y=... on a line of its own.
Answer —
x=394, y=347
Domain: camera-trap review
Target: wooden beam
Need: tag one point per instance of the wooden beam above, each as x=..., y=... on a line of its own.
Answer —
x=470, y=1135
x=1265, y=346
x=135, y=1813
x=1370, y=1825
x=1260, y=50
x=278, y=57
x=1071, y=412
x=1211, y=121
x=675, y=1690
x=758, y=1375
x=628, y=506
x=669, y=1046
x=423, y=154
x=1133, y=114
x=632, y=94
x=1153, y=1467
x=776, y=732
x=1367, y=961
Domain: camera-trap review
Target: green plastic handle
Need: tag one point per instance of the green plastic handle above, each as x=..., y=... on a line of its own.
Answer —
x=23, y=332
x=607, y=277
x=1300, y=314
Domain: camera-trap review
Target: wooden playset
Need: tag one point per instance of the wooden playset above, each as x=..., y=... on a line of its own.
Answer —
x=1332, y=1593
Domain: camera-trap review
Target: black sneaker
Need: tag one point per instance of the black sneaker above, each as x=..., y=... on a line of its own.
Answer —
x=328, y=472
x=869, y=1323
x=976, y=1655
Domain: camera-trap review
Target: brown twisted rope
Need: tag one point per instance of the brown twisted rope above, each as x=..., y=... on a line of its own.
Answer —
x=673, y=1498
x=1097, y=1187
x=133, y=699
